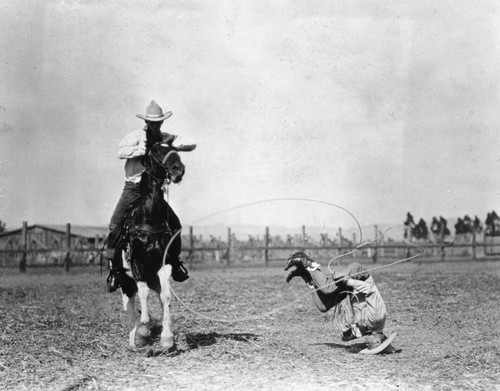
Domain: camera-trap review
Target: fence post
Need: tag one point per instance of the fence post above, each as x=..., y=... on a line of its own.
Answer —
x=191, y=247
x=474, y=243
x=266, y=250
x=67, y=259
x=202, y=253
x=434, y=241
x=24, y=245
x=375, y=243
x=382, y=245
x=340, y=240
x=485, y=246
x=228, y=259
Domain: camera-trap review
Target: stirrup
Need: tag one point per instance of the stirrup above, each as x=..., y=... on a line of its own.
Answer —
x=114, y=278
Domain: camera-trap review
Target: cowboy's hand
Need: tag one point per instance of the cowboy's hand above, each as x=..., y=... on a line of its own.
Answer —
x=140, y=150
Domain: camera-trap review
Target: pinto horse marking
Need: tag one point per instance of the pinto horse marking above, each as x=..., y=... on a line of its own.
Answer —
x=147, y=244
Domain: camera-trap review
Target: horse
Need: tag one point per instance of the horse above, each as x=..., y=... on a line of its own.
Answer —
x=492, y=223
x=409, y=225
x=439, y=229
x=147, y=241
x=418, y=232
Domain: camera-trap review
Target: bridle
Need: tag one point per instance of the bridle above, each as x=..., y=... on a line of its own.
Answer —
x=162, y=163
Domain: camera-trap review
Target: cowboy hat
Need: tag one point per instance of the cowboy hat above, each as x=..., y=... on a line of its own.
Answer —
x=154, y=113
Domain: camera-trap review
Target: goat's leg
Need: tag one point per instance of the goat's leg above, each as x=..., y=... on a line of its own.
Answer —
x=167, y=336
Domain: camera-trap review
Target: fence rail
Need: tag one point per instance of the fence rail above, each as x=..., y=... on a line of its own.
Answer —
x=234, y=252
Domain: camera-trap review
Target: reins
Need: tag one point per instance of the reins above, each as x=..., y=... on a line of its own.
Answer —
x=147, y=170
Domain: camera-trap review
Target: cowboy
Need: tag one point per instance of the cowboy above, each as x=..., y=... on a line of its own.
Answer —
x=132, y=148
x=359, y=308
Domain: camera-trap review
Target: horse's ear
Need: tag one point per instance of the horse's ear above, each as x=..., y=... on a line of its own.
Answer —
x=185, y=148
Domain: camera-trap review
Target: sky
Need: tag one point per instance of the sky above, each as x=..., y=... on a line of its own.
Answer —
x=371, y=108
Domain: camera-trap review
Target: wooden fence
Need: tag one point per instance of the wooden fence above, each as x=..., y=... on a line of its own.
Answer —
x=266, y=251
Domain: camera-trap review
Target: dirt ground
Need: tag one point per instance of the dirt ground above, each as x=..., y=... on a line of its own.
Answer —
x=251, y=331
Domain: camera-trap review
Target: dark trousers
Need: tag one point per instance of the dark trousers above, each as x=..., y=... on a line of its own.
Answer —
x=131, y=193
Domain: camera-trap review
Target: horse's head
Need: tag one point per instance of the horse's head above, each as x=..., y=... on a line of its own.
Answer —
x=165, y=162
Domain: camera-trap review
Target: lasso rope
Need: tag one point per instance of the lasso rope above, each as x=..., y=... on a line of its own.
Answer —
x=283, y=307
x=283, y=199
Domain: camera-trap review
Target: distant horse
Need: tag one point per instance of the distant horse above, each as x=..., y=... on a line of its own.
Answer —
x=492, y=224
x=415, y=232
x=409, y=224
x=439, y=229
x=147, y=241
x=477, y=225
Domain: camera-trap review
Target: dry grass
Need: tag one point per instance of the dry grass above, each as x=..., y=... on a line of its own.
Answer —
x=64, y=332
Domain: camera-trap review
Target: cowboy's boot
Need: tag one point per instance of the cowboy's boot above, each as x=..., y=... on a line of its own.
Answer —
x=179, y=271
x=116, y=270
x=347, y=335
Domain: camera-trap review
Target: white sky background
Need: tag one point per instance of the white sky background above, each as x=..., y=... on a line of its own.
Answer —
x=379, y=107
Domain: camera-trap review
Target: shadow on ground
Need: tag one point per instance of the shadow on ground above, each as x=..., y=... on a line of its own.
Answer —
x=195, y=340
x=351, y=348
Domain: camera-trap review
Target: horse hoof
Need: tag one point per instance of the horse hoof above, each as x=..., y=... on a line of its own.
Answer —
x=168, y=344
x=140, y=342
x=144, y=331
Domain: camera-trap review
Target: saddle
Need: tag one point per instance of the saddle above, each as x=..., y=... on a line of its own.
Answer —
x=129, y=229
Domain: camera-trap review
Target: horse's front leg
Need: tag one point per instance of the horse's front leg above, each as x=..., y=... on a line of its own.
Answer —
x=129, y=308
x=167, y=336
x=143, y=330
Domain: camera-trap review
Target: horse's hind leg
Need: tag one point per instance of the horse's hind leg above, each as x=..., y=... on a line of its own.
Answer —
x=167, y=336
